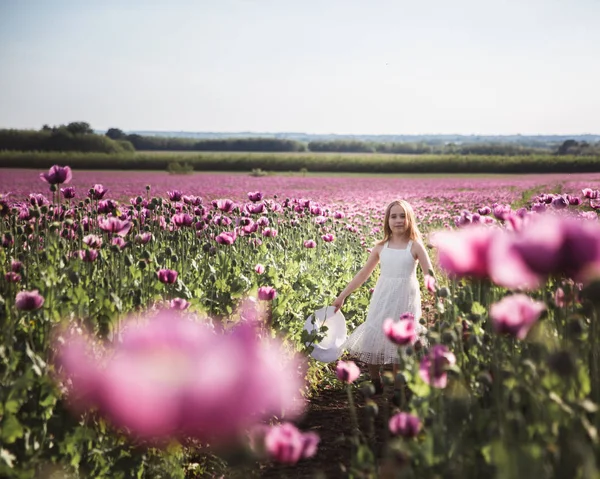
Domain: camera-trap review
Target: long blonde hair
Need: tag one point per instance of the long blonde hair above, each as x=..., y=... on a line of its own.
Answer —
x=412, y=229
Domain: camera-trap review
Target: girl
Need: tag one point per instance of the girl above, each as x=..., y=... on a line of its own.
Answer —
x=396, y=292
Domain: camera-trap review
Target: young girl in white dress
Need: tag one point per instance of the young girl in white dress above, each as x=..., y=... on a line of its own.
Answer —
x=396, y=292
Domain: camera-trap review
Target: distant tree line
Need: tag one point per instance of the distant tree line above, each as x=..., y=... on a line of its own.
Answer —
x=79, y=136
x=76, y=136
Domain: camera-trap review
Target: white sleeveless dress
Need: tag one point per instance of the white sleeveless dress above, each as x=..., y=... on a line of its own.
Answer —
x=396, y=292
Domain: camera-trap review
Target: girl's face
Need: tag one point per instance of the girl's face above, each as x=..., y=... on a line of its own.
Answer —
x=397, y=221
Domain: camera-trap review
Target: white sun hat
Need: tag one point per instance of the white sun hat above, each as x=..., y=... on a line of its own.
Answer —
x=329, y=348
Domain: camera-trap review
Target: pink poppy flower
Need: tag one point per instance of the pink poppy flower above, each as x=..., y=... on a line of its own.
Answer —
x=179, y=304
x=97, y=192
x=167, y=276
x=190, y=382
x=93, y=241
x=255, y=196
x=310, y=244
x=226, y=238
x=182, y=219
x=433, y=367
x=269, y=232
x=347, y=371
x=16, y=266
x=225, y=205
x=400, y=332
x=29, y=300
x=464, y=252
x=68, y=192
x=143, y=238
x=119, y=242
x=88, y=255
x=259, y=269
x=267, y=293
x=12, y=277
x=328, y=237
x=57, y=175
x=514, y=315
x=114, y=225
x=174, y=195
x=286, y=444
x=405, y=425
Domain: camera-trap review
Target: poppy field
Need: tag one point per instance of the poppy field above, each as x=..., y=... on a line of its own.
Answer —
x=152, y=325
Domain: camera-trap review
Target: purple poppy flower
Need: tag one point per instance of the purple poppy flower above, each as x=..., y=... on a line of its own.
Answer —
x=176, y=393
x=464, y=252
x=16, y=266
x=88, y=255
x=255, y=209
x=12, y=277
x=559, y=202
x=514, y=315
x=328, y=237
x=405, y=425
x=179, y=304
x=484, y=210
x=167, y=276
x=175, y=195
x=97, y=192
x=269, y=232
x=590, y=193
x=68, y=192
x=262, y=221
x=37, y=199
x=93, y=241
x=226, y=238
x=57, y=175
x=267, y=293
x=286, y=444
x=433, y=367
x=114, y=225
x=310, y=244
x=106, y=206
x=29, y=300
x=255, y=196
x=402, y=332
x=225, y=205
x=143, y=238
x=259, y=269
x=182, y=219
x=347, y=371
x=119, y=242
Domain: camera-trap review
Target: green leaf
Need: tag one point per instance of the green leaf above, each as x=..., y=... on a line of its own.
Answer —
x=11, y=429
x=477, y=308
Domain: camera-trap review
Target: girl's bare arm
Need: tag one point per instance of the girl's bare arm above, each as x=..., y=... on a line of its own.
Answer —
x=359, y=278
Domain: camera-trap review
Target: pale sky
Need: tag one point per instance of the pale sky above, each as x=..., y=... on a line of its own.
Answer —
x=313, y=66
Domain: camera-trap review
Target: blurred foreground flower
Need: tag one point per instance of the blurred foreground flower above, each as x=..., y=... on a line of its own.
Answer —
x=401, y=332
x=514, y=315
x=171, y=377
x=347, y=371
x=547, y=245
x=405, y=425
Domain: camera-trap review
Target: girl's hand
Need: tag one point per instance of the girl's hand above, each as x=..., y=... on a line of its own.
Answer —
x=338, y=303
